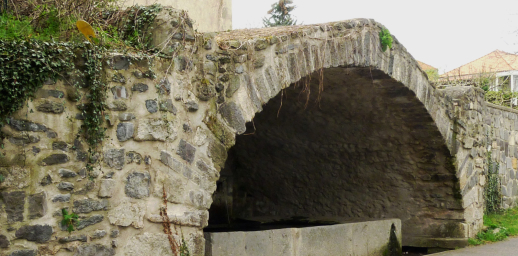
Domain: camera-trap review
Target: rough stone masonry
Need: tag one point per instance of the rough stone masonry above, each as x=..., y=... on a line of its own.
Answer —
x=381, y=142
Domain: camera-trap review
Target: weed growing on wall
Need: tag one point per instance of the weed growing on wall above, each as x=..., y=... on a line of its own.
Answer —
x=69, y=220
x=385, y=39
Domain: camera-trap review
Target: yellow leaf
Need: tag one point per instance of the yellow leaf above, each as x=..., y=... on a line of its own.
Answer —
x=86, y=29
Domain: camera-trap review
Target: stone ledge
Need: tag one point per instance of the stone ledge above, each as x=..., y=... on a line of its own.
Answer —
x=359, y=239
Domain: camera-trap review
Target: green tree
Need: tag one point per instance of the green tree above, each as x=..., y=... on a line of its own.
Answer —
x=280, y=14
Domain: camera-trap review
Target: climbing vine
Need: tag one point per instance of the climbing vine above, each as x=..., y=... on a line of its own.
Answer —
x=26, y=65
x=93, y=109
x=492, y=189
x=177, y=248
x=135, y=22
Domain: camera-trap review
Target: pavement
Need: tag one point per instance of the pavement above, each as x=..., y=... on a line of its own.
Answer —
x=508, y=247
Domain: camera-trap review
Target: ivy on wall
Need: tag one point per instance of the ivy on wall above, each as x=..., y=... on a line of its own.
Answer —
x=28, y=64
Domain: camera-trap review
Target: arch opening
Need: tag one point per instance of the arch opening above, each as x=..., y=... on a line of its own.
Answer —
x=364, y=148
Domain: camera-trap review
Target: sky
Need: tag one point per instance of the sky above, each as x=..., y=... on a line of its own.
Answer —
x=443, y=34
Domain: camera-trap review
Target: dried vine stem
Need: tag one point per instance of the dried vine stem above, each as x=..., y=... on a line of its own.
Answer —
x=166, y=223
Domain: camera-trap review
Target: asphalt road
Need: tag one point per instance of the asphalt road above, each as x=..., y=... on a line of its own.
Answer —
x=505, y=248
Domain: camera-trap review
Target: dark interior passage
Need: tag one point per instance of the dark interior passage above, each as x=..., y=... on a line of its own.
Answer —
x=363, y=148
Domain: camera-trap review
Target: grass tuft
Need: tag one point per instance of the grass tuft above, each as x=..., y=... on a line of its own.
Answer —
x=499, y=227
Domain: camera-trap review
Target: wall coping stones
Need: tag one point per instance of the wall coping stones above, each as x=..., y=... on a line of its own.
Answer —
x=491, y=105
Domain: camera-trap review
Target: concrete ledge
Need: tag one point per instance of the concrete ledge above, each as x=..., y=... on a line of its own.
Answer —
x=369, y=238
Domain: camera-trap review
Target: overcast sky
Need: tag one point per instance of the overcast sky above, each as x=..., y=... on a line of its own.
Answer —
x=444, y=34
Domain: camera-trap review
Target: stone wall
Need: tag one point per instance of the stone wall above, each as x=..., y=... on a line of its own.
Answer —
x=458, y=113
x=501, y=129
x=172, y=119
x=208, y=15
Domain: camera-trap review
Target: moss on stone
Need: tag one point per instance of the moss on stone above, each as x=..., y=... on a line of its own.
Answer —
x=220, y=131
x=217, y=152
x=393, y=247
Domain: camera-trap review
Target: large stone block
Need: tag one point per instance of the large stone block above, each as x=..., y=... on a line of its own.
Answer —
x=140, y=87
x=200, y=198
x=24, y=125
x=24, y=253
x=89, y=205
x=106, y=188
x=4, y=242
x=61, y=198
x=186, y=151
x=51, y=107
x=119, y=62
x=95, y=250
x=37, y=205
x=14, y=177
x=114, y=158
x=127, y=213
x=155, y=130
x=234, y=116
x=14, y=205
x=98, y=234
x=360, y=239
x=137, y=185
x=218, y=153
x=67, y=186
x=36, y=233
x=55, y=159
x=119, y=92
x=151, y=106
x=149, y=244
x=23, y=139
x=167, y=105
x=193, y=219
x=65, y=173
x=92, y=220
x=125, y=131
x=68, y=239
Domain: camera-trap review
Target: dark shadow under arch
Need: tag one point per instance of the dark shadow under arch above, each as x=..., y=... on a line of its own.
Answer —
x=368, y=149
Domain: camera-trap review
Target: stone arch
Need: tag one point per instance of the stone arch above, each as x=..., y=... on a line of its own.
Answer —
x=175, y=118
x=383, y=88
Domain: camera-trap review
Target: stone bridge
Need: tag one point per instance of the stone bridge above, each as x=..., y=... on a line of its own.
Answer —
x=310, y=122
